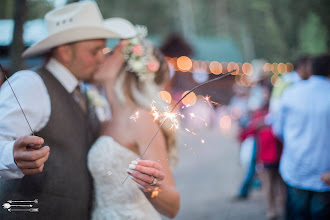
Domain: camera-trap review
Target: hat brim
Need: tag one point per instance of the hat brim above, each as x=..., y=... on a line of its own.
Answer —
x=121, y=26
x=69, y=36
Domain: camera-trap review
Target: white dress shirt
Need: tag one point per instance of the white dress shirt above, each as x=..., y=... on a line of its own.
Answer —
x=33, y=96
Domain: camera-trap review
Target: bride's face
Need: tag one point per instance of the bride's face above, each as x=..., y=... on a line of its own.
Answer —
x=111, y=66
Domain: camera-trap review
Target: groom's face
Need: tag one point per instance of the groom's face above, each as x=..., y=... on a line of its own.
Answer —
x=86, y=58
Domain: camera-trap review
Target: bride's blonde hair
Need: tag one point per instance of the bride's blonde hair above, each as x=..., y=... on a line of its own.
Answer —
x=128, y=86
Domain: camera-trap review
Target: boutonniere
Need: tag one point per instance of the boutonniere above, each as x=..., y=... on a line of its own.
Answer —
x=95, y=98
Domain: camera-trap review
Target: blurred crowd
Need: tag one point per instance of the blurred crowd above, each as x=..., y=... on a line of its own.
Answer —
x=284, y=135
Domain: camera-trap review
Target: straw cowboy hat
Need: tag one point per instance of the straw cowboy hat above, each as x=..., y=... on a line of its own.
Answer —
x=77, y=22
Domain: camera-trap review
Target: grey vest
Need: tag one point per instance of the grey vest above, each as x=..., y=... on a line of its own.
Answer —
x=64, y=188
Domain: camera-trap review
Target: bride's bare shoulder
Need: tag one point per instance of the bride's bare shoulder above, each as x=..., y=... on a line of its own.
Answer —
x=145, y=121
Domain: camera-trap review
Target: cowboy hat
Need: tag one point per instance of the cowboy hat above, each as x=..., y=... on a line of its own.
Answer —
x=77, y=22
x=121, y=26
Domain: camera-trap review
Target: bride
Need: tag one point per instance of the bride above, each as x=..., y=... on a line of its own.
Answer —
x=131, y=77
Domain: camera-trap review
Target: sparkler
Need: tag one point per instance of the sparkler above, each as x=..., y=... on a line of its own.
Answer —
x=208, y=101
x=171, y=114
x=16, y=99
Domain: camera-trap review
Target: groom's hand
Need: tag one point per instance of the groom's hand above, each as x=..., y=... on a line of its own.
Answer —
x=29, y=156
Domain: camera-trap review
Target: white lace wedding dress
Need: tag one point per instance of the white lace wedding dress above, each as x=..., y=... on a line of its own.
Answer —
x=108, y=162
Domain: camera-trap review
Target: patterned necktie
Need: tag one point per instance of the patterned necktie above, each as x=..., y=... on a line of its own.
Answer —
x=80, y=99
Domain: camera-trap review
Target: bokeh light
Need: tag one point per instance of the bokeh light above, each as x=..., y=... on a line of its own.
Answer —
x=233, y=66
x=235, y=113
x=204, y=67
x=289, y=67
x=225, y=122
x=247, y=69
x=275, y=80
x=173, y=62
x=166, y=96
x=215, y=67
x=184, y=63
x=274, y=68
x=196, y=66
x=281, y=68
x=267, y=67
x=189, y=99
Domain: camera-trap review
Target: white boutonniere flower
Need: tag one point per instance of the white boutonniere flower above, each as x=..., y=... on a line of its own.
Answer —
x=94, y=98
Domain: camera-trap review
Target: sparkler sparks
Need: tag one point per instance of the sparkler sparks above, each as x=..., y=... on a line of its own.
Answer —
x=196, y=87
x=166, y=115
x=207, y=99
x=155, y=192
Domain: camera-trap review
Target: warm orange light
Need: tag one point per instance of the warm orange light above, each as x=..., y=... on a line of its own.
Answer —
x=275, y=80
x=196, y=66
x=184, y=63
x=247, y=69
x=204, y=67
x=235, y=113
x=189, y=99
x=172, y=61
x=166, y=96
x=225, y=122
x=281, y=67
x=289, y=67
x=244, y=80
x=267, y=67
x=233, y=66
x=274, y=68
x=214, y=67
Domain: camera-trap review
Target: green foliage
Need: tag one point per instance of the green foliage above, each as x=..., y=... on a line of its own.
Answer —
x=313, y=36
x=277, y=30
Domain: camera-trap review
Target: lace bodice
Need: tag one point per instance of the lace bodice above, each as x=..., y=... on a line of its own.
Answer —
x=108, y=162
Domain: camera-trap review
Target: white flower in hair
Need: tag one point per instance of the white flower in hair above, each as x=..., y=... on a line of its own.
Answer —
x=139, y=57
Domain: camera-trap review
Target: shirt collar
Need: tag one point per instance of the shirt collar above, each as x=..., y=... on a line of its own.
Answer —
x=62, y=74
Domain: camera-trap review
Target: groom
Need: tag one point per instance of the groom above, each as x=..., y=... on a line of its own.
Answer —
x=58, y=112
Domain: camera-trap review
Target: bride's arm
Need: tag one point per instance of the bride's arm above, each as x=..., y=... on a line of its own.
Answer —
x=155, y=160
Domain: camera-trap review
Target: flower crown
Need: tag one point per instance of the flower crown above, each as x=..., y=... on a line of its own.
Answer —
x=139, y=57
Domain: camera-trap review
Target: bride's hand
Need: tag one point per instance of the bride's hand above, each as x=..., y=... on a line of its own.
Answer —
x=148, y=174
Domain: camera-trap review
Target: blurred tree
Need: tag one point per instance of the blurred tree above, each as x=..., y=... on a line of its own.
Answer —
x=38, y=8
x=161, y=17
x=321, y=8
x=17, y=45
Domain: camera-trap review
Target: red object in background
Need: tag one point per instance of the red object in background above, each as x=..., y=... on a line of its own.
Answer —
x=269, y=148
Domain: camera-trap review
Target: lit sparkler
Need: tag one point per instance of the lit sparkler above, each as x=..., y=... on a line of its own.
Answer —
x=166, y=118
x=207, y=99
x=166, y=115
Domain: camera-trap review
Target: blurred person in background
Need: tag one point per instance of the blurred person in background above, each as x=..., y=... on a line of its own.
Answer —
x=267, y=155
x=303, y=123
x=302, y=71
x=255, y=100
x=239, y=101
x=2, y=79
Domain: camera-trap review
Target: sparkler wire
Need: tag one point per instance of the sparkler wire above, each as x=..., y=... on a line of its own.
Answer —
x=212, y=80
x=16, y=99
